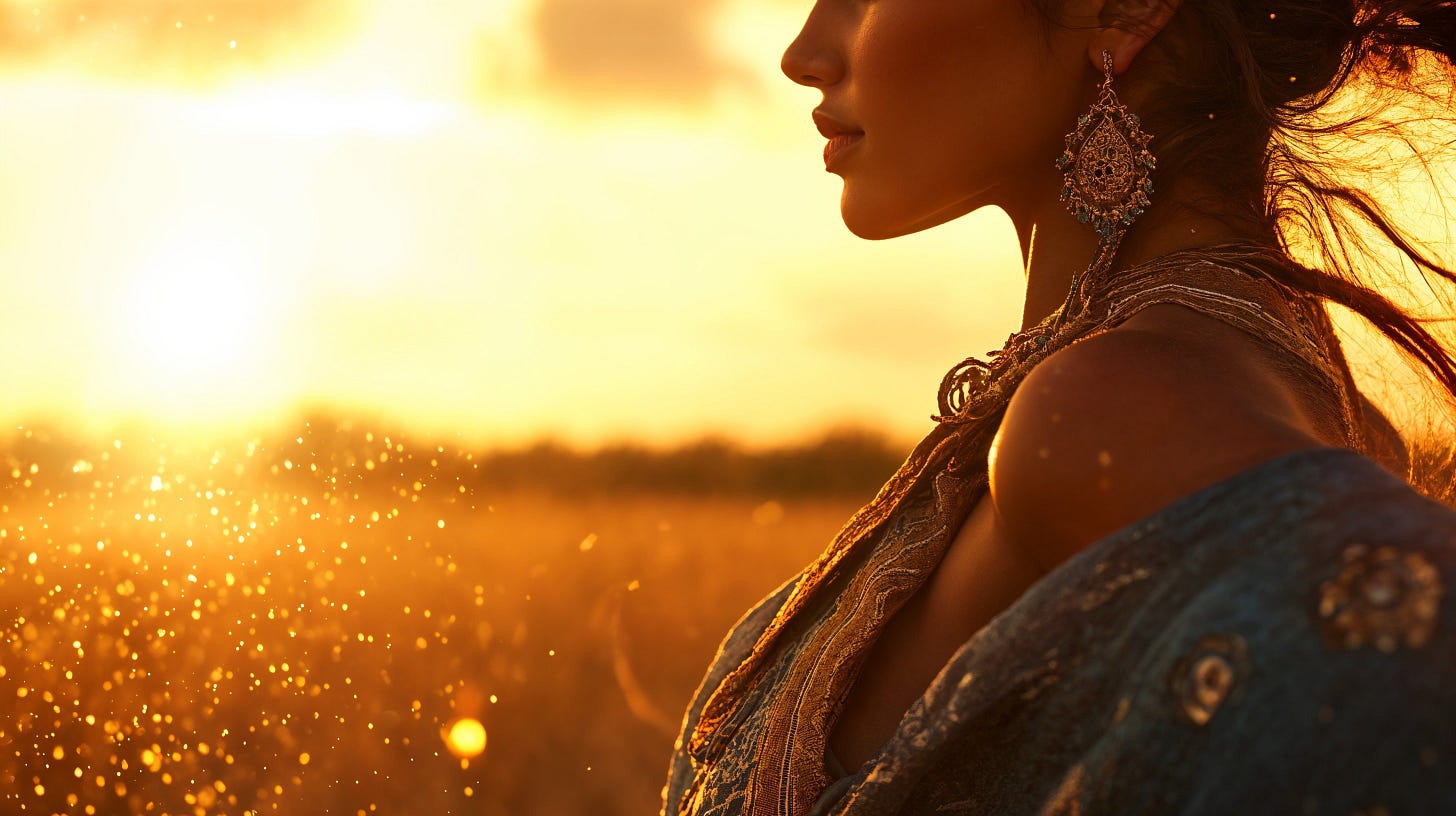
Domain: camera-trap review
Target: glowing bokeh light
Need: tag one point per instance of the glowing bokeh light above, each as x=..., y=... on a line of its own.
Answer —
x=466, y=738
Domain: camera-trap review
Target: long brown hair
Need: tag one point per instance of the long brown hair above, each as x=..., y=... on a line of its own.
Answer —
x=1249, y=103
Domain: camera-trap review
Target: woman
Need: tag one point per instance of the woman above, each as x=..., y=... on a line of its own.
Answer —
x=1147, y=561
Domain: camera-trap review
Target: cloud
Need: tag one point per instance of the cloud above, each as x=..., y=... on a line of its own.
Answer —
x=658, y=53
x=179, y=40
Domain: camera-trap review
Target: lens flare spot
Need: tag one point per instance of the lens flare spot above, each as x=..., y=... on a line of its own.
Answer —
x=465, y=738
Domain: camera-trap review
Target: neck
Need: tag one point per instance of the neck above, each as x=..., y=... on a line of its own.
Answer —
x=1054, y=246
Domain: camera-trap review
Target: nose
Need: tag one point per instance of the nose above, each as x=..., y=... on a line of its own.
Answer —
x=810, y=59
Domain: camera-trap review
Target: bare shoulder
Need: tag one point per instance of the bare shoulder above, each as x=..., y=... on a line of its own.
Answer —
x=1116, y=426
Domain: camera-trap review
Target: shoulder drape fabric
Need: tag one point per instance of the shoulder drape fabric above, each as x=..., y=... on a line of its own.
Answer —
x=1281, y=642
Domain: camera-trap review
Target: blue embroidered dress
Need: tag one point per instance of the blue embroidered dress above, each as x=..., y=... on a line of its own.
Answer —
x=1281, y=642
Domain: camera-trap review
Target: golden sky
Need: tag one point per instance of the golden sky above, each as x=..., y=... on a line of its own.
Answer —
x=594, y=218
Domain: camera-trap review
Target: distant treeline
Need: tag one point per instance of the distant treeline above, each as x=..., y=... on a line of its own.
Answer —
x=347, y=456
x=839, y=463
x=357, y=456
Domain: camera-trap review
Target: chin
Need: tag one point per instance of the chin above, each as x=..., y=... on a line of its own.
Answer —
x=869, y=232
x=880, y=226
x=876, y=218
x=868, y=222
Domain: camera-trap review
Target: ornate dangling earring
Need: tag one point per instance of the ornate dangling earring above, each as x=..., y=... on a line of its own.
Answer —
x=1108, y=180
x=1108, y=174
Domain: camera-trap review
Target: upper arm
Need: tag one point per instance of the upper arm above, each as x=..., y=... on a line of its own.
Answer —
x=1117, y=426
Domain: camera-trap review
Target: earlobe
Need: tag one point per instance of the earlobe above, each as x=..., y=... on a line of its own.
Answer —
x=1122, y=45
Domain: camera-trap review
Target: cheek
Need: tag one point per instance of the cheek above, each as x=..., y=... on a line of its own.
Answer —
x=911, y=64
x=941, y=80
x=954, y=94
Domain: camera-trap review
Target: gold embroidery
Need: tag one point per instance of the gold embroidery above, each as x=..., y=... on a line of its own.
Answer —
x=789, y=771
x=1205, y=679
x=1383, y=597
x=1067, y=800
x=1105, y=593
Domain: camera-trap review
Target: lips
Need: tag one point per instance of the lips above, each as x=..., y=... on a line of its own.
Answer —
x=837, y=145
x=841, y=136
x=830, y=126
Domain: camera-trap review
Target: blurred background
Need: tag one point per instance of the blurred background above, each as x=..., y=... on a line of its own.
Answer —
x=402, y=399
x=594, y=219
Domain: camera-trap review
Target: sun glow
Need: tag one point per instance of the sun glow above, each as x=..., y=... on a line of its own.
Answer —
x=196, y=316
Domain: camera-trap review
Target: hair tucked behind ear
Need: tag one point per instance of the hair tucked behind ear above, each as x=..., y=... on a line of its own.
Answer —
x=1280, y=105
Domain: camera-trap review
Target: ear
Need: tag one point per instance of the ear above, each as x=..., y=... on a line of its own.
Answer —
x=1128, y=26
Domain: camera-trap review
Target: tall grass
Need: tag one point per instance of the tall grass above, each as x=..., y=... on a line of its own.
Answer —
x=289, y=625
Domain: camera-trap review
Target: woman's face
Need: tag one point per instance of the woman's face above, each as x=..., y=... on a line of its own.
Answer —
x=944, y=105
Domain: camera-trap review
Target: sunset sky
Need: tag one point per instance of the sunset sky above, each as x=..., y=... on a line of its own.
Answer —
x=594, y=219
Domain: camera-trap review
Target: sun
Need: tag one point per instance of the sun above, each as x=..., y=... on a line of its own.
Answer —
x=194, y=318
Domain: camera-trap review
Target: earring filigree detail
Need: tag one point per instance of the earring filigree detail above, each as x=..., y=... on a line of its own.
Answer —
x=1107, y=164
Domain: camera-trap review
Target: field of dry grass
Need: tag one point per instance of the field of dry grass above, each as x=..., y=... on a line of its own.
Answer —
x=290, y=628
x=292, y=624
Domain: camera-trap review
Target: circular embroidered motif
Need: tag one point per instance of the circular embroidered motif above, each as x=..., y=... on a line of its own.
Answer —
x=1207, y=676
x=1382, y=597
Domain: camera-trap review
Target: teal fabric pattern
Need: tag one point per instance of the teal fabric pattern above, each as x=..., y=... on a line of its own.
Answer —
x=1281, y=642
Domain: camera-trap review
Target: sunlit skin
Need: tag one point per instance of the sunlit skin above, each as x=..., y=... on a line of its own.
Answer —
x=963, y=104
